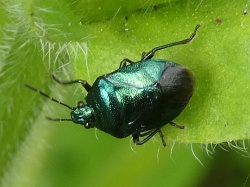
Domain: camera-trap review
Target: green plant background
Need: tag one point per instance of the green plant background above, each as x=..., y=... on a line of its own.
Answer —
x=85, y=39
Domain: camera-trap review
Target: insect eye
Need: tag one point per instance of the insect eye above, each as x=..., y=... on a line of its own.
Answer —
x=80, y=104
x=87, y=126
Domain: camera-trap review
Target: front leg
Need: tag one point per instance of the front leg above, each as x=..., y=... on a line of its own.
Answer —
x=84, y=83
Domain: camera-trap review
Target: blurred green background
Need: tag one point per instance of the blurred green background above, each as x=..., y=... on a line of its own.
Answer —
x=83, y=39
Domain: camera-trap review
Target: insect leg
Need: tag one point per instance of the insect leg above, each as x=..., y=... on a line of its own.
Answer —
x=151, y=53
x=176, y=125
x=162, y=138
x=124, y=62
x=137, y=140
x=84, y=83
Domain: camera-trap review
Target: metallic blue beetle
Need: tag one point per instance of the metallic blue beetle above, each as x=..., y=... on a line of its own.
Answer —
x=137, y=99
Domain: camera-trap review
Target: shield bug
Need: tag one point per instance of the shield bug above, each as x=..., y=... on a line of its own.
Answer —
x=137, y=99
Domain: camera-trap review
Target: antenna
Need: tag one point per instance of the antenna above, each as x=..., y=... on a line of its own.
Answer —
x=51, y=98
